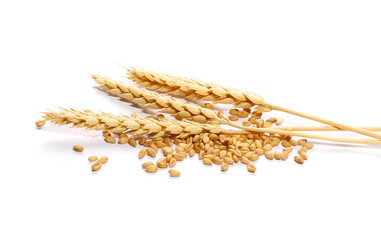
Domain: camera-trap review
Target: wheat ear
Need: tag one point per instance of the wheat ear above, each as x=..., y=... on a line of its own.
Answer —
x=193, y=89
x=189, y=88
x=130, y=125
x=178, y=108
x=158, y=128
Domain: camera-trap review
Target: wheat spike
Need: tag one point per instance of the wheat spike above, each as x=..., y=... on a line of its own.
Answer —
x=157, y=128
x=193, y=89
x=178, y=108
x=129, y=125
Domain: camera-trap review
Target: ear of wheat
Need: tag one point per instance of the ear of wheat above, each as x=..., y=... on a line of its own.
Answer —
x=157, y=128
x=179, y=109
x=130, y=125
x=189, y=88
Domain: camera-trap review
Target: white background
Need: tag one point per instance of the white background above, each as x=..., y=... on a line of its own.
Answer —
x=319, y=57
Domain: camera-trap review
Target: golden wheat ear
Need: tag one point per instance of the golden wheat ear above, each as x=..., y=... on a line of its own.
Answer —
x=155, y=128
x=190, y=88
x=148, y=99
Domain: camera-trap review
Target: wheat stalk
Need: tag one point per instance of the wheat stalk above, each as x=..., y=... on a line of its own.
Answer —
x=190, y=88
x=158, y=128
x=178, y=108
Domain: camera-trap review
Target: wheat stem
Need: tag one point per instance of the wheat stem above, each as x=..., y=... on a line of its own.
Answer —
x=297, y=134
x=320, y=128
x=328, y=122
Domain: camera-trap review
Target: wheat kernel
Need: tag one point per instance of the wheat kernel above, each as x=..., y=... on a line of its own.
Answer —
x=298, y=159
x=251, y=168
x=285, y=155
x=269, y=155
x=233, y=111
x=162, y=164
x=302, y=149
x=246, y=123
x=142, y=153
x=160, y=144
x=279, y=121
x=286, y=144
x=309, y=146
x=207, y=161
x=301, y=142
x=40, y=123
x=78, y=148
x=243, y=114
x=172, y=162
x=110, y=139
x=260, y=151
x=93, y=158
x=178, y=156
x=209, y=106
x=253, y=157
x=224, y=167
x=103, y=160
x=304, y=155
x=146, y=164
x=167, y=150
x=228, y=160
x=142, y=140
x=293, y=142
x=267, y=124
x=233, y=118
x=288, y=149
x=258, y=144
x=217, y=161
x=253, y=120
x=271, y=120
x=151, y=169
x=154, y=147
x=277, y=155
x=268, y=147
x=134, y=115
x=191, y=153
x=245, y=160
x=151, y=152
x=132, y=142
x=123, y=140
x=179, y=149
x=96, y=166
x=173, y=173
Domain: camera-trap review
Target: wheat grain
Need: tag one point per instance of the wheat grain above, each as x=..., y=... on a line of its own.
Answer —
x=96, y=166
x=93, y=158
x=174, y=173
x=298, y=159
x=103, y=160
x=40, y=123
x=78, y=148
